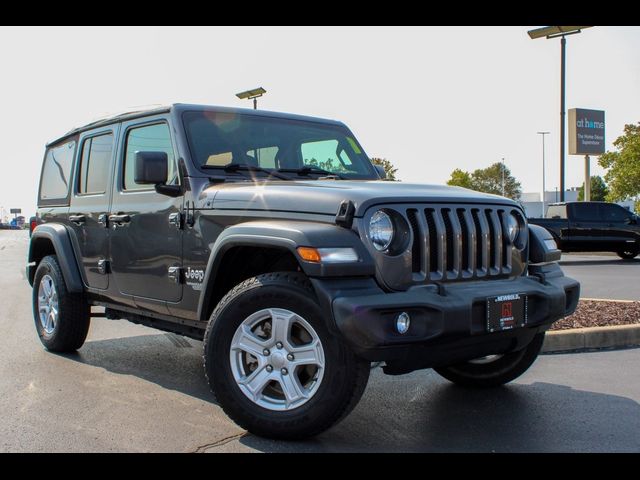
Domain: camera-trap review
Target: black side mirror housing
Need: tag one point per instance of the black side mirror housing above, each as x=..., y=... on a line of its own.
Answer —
x=151, y=168
x=542, y=246
x=381, y=172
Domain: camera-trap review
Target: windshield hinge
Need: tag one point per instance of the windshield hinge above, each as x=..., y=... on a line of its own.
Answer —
x=344, y=217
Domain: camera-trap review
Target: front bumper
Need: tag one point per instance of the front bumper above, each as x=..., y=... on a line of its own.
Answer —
x=448, y=321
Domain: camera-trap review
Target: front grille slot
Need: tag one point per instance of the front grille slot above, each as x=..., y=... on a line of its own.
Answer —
x=506, y=252
x=416, y=254
x=458, y=242
x=450, y=242
x=492, y=239
x=436, y=245
x=482, y=237
x=466, y=241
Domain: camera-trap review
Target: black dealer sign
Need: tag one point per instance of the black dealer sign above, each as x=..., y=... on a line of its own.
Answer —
x=586, y=132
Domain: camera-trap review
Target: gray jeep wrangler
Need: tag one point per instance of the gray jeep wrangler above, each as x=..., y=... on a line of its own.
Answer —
x=271, y=238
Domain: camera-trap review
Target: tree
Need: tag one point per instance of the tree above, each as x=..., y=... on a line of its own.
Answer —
x=488, y=180
x=599, y=190
x=388, y=167
x=623, y=175
x=328, y=165
x=460, y=178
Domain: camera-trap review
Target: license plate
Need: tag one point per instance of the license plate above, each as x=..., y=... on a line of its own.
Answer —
x=505, y=312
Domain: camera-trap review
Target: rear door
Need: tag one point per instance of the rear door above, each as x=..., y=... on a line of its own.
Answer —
x=585, y=226
x=91, y=195
x=145, y=243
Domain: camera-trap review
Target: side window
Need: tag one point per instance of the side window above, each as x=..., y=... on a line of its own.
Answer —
x=585, y=212
x=613, y=213
x=320, y=154
x=327, y=155
x=94, y=164
x=54, y=184
x=150, y=138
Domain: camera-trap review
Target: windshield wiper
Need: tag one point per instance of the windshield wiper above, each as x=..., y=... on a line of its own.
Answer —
x=307, y=169
x=234, y=167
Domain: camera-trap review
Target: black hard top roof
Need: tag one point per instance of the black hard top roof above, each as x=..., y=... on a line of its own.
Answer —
x=182, y=107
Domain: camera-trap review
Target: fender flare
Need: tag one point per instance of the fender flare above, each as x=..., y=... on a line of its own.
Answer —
x=58, y=235
x=286, y=235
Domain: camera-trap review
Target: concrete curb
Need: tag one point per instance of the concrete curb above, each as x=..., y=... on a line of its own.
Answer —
x=593, y=338
x=609, y=300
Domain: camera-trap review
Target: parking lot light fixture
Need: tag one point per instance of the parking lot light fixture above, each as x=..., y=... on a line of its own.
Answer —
x=554, y=32
x=252, y=95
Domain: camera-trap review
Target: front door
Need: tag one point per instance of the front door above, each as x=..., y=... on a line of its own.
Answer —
x=145, y=243
x=618, y=227
x=90, y=205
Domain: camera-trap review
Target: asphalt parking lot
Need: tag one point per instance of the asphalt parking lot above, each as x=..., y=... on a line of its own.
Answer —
x=604, y=275
x=134, y=389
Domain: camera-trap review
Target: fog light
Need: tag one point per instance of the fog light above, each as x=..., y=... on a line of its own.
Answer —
x=402, y=323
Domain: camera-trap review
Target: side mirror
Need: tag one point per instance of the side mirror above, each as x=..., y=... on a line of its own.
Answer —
x=381, y=172
x=542, y=246
x=151, y=168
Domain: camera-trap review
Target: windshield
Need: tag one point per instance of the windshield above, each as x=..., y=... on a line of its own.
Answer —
x=217, y=139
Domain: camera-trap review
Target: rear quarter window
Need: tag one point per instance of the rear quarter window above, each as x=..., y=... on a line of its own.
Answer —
x=55, y=181
x=557, y=211
x=585, y=212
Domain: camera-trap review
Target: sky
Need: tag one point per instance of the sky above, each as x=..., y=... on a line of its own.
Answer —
x=429, y=99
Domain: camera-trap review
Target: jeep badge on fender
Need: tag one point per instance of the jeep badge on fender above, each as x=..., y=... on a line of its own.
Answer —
x=273, y=238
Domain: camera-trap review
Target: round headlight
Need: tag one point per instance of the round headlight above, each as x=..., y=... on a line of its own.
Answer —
x=381, y=230
x=513, y=227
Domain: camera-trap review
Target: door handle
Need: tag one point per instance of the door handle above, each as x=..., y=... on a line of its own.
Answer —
x=102, y=220
x=77, y=219
x=119, y=219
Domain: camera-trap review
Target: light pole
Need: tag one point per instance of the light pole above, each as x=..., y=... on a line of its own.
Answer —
x=502, y=176
x=555, y=32
x=543, y=175
x=252, y=95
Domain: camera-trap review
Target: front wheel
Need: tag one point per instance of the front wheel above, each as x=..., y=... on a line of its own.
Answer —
x=494, y=370
x=272, y=364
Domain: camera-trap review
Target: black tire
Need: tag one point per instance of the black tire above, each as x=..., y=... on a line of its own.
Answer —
x=345, y=376
x=74, y=316
x=628, y=254
x=504, y=369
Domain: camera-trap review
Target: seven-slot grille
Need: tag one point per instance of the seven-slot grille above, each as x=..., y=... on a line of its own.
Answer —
x=458, y=242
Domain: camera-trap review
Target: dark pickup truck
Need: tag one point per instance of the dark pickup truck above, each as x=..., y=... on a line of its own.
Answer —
x=593, y=227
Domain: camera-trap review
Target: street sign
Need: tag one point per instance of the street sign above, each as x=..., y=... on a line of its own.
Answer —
x=15, y=210
x=586, y=132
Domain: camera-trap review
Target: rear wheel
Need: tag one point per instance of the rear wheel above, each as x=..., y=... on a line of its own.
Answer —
x=273, y=365
x=628, y=254
x=62, y=318
x=494, y=370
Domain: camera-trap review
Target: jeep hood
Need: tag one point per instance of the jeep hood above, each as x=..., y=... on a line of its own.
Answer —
x=325, y=196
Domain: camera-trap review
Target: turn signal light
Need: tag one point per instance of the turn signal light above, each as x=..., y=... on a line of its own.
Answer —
x=329, y=254
x=309, y=254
